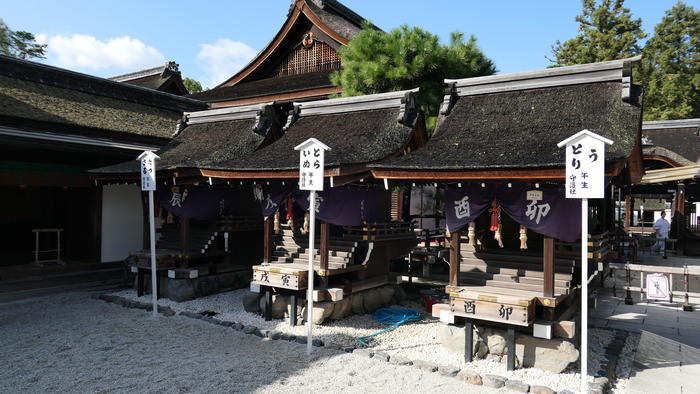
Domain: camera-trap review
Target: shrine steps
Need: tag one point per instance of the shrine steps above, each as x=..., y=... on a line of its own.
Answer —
x=511, y=283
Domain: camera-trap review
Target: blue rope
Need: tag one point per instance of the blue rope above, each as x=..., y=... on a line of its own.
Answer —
x=393, y=317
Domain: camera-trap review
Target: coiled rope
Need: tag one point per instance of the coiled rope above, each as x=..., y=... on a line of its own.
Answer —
x=393, y=317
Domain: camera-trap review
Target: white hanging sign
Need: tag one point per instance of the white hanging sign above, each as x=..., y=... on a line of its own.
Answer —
x=658, y=287
x=311, y=161
x=585, y=165
x=148, y=170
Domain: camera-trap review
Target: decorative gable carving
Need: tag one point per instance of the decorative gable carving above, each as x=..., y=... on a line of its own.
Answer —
x=308, y=56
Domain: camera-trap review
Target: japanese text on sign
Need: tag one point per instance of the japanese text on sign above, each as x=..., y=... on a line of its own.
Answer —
x=585, y=165
x=311, y=162
x=148, y=170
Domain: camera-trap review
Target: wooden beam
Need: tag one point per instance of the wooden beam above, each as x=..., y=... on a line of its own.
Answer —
x=628, y=211
x=323, y=247
x=679, y=218
x=284, y=174
x=548, y=286
x=454, y=258
x=318, y=93
x=268, y=244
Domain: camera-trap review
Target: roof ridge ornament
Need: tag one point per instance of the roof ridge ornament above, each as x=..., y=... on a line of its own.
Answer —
x=292, y=117
x=408, y=111
x=226, y=113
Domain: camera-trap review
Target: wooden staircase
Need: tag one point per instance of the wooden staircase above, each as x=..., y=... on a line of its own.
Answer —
x=293, y=248
x=518, y=271
x=200, y=240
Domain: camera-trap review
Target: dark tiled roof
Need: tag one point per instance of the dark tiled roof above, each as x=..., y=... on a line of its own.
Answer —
x=354, y=137
x=338, y=17
x=519, y=129
x=269, y=86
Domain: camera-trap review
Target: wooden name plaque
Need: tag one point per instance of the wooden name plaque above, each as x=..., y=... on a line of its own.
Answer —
x=292, y=280
x=520, y=314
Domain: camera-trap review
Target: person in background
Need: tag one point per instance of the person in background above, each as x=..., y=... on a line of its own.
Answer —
x=662, y=226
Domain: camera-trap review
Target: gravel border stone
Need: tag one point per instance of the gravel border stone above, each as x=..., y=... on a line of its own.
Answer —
x=493, y=381
x=516, y=385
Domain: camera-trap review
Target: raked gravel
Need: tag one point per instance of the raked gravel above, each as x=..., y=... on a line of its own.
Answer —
x=415, y=341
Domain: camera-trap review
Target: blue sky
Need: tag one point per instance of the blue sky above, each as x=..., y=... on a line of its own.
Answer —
x=211, y=40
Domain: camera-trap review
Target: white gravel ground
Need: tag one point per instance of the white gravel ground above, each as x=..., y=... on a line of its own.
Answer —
x=415, y=341
x=624, y=365
x=72, y=343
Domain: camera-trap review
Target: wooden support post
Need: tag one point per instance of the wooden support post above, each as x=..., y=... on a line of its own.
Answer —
x=454, y=258
x=293, y=310
x=139, y=282
x=510, y=342
x=323, y=247
x=268, y=304
x=678, y=222
x=628, y=211
x=268, y=228
x=468, y=339
x=548, y=287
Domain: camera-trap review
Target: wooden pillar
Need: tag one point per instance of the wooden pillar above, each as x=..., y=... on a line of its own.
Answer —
x=510, y=342
x=454, y=258
x=293, y=310
x=325, y=238
x=268, y=228
x=184, y=237
x=628, y=211
x=468, y=341
x=678, y=222
x=548, y=286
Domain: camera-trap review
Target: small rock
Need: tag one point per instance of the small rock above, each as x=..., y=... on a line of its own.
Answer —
x=381, y=356
x=447, y=370
x=385, y=294
x=349, y=349
x=274, y=334
x=602, y=380
x=321, y=311
x=191, y=315
x=400, y=360
x=357, y=301
x=399, y=294
x=237, y=326
x=372, y=300
x=166, y=311
x=251, y=302
x=288, y=337
x=495, y=341
x=265, y=333
x=596, y=388
x=317, y=343
x=516, y=385
x=425, y=366
x=493, y=381
x=342, y=309
x=363, y=353
x=301, y=340
x=482, y=349
x=565, y=392
x=208, y=319
x=541, y=390
x=225, y=323
x=250, y=329
x=470, y=376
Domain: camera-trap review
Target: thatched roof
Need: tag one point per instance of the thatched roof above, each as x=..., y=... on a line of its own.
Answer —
x=359, y=130
x=681, y=137
x=516, y=121
x=210, y=137
x=44, y=97
x=166, y=78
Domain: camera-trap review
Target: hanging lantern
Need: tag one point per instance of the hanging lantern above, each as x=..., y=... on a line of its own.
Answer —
x=495, y=212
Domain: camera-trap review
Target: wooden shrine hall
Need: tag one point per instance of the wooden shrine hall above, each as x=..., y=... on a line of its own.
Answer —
x=495, y=152
x=297, y=63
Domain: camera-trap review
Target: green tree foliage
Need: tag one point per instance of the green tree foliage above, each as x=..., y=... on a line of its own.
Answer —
x=193, y=86
x=606, y=32
x=670, y=67
x=21, y=44
x=405, y=58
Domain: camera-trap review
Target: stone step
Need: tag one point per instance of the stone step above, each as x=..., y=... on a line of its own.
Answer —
x=292, y=254
x=536, y=273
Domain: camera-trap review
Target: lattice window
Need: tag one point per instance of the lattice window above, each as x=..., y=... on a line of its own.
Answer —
x=308, y=58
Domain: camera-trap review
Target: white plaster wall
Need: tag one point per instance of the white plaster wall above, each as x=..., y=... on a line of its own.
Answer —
x=122, y=221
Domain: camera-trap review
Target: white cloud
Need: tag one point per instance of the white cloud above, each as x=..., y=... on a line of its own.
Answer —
x=222, y=60
x=85, y=52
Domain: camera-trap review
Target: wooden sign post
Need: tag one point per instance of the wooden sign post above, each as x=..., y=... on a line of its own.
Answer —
x=148, y=183
x=585, y=178
x=311, y=159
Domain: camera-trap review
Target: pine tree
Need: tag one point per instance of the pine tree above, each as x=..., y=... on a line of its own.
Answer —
x=670, y=69
x=21, y=44
x=405, y=58
x=192, y=85
x=606, y=32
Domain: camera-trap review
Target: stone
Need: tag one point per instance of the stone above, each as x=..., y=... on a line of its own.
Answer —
x=596, y=388
x=482, y=349
x=552, y=355
x=251, y=302
x=237, y=326
x=349, y=349
x=400, y=360
x=372, y=300
x=470, y=376
x=317, y=343
x=181, y=289
x=493, y=381
x=446, y=370
x=274, y=334
x=300, y=305
x=166, y=311
x=452, y=338
x=496, y=341
x=425, y=366
x=504, y=360
x=565, y=392
x=321, y=311
x=288, y=337
x=191, y=315
x=250, y=329
x=541, y=390
x=301, y=340
x=207, y=285
x=225, y=323
x=363, y=353
x=399, y=295
x=279, y=305
x=602, y=380
x=386, y=293
x=381, y=356
x=357, y=301
x=264, y=333
x=341, y=309
x=516, y=385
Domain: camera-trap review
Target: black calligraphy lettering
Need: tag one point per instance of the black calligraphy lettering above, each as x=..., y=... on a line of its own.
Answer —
x=576, y=148
x=504, y=312
x=593, y=156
